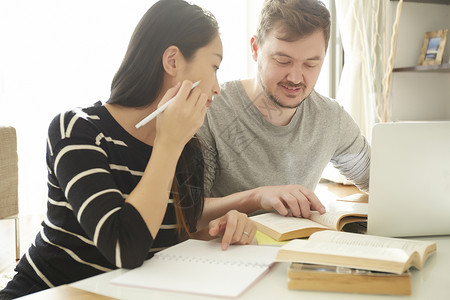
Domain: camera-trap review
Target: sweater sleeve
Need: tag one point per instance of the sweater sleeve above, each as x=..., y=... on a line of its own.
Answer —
x=82, y=169
x=352, y=155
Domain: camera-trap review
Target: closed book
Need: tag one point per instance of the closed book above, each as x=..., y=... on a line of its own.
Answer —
x=340, y=279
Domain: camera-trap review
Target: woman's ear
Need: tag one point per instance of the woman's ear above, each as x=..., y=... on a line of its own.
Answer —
x=172, y=60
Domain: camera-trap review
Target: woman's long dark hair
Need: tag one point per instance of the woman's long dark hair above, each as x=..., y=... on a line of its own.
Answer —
x=139, y=80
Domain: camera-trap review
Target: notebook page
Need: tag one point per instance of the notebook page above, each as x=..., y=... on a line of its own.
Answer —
x=201, y=267
x=250, y=254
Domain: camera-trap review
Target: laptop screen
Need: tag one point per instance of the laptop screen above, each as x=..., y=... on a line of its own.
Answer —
x=410, y=179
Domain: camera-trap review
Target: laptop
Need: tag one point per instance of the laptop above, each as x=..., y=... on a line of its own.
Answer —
x=410, y=179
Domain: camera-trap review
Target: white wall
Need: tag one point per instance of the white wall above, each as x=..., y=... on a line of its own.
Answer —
x=419, y=96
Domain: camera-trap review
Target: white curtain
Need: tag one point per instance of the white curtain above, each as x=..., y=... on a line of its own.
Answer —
x=362, y=84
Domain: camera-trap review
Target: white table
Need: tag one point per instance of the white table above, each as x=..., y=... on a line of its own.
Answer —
x=432, y=282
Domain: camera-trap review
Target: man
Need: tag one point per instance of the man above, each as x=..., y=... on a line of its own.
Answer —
x=274, y=129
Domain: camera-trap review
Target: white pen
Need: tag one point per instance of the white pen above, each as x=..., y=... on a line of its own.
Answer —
x=159, y=110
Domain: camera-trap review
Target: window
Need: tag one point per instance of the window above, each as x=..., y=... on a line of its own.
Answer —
x=57, y=55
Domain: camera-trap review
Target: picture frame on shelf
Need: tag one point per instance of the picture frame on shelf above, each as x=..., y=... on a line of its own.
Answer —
x=433, y=47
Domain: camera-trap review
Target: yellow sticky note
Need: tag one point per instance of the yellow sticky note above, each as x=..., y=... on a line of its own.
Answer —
x=264, y=239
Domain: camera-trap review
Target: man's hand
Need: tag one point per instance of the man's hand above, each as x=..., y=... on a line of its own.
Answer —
x=234, y=227
x=296, y=198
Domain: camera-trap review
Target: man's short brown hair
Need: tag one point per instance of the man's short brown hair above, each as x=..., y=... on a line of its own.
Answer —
x=295, y=18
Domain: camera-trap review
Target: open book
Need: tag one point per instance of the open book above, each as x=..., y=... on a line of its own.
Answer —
x=360, y=251
x=202, y=267
x=340, y=279
x=283, y=228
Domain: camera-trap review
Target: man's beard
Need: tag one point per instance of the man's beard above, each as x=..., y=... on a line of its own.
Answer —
x=275, y=100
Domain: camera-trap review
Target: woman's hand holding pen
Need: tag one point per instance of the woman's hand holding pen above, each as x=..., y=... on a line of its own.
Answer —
x=183, y=117
x=234, y=227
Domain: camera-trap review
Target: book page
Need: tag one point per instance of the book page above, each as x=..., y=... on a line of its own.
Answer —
x=283, y=224
x=329, y=253
x=342, y=206
x=409, y=246
x=336, y=211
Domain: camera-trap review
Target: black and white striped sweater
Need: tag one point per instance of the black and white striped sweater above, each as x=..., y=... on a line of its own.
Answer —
x=93, y=164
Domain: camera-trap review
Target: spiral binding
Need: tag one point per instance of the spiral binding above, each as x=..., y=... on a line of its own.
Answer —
x=206, y=260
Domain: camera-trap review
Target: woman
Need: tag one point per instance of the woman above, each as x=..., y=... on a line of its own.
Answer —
x=111, y=185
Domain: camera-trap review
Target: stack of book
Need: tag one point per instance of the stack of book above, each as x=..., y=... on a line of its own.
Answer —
x=332, y=260
x=350, y=262
x=316, y=277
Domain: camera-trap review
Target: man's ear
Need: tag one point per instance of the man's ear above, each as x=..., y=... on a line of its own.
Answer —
x=254, y=47
x=171, y=60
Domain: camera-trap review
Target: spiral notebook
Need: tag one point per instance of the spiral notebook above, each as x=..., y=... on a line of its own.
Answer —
x=202, y=267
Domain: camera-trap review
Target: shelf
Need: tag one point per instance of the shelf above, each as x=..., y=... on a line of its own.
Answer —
x=442, y=68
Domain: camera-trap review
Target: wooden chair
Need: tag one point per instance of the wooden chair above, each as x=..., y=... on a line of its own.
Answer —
x=9, y=180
